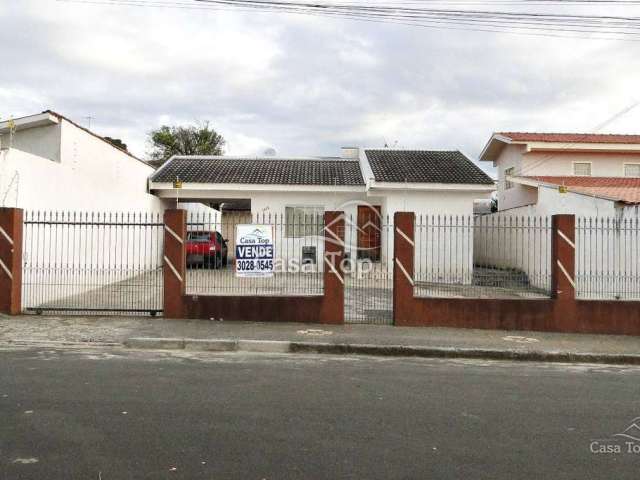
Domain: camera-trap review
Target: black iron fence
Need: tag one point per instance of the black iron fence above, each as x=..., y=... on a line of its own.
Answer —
x=608, y=258
x=491, y=256
x=92, y=262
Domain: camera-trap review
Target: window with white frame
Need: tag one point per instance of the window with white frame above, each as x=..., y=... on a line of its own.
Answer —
x=508, y=172
x=632, y=169
x=582, y=169
x=303, y=221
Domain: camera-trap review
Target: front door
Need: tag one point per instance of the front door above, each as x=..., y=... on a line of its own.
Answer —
x=369, y=238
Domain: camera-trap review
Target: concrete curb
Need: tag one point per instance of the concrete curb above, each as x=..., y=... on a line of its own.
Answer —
x=156, y=343
x=58, y=343
x=274, y=346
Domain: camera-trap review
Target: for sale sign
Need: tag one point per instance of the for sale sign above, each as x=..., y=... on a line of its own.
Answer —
x=254, y=251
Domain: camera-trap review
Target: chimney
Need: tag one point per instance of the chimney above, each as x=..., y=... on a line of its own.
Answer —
x=349, y=153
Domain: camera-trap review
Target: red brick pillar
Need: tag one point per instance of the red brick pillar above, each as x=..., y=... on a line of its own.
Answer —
x=563, y=255
x=175, y=262
x=563, y=288
x=403, y=260
x=11, y=260
x=333, y=302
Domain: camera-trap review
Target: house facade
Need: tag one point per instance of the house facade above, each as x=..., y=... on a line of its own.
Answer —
x=549, y=173
x=369, y=185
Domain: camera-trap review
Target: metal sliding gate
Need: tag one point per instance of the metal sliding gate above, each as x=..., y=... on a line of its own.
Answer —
x=81, y=262
x=368, y=295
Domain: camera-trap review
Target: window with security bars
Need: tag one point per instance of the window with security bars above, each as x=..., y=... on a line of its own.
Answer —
x=582, y=169
x=303, y=221
x=632, y=170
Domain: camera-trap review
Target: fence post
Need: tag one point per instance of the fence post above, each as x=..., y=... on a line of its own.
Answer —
x=333, y=278
x=175, y=262
x=11, y=260
x=563, y=255
x=403, y=260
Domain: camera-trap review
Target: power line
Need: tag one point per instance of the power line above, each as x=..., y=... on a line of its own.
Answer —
x=405, y=13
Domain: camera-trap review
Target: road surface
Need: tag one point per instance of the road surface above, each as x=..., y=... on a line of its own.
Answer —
x=118, y=414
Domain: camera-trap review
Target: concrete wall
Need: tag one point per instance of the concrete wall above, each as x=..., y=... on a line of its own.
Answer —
x=90, y=174
x=607, y=243
x=78, y=172
x=511, y=241
x=444, y=241
x=41, y=141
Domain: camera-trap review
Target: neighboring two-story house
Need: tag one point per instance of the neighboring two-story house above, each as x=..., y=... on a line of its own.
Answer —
x=551, y=173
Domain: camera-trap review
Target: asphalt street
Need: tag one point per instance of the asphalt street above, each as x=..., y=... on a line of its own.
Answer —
x=118, y=414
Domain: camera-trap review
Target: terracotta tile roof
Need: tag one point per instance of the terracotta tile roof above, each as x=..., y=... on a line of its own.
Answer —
x=570, y=137
x=621, y=189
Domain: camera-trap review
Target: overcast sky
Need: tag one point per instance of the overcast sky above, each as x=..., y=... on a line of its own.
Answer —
x=305, y=85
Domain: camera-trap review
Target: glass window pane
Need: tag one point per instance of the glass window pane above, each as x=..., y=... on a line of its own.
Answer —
x=583, y=169
x=632, y=170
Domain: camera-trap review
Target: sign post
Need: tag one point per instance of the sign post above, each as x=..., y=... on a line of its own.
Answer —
x=254, y=251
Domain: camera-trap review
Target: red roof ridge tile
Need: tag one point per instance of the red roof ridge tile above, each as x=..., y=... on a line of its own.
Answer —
x=571, y=137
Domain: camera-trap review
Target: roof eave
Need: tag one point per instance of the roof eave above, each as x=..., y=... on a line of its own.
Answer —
x=248, y=187
x=424, y=186
x=494, y=146
x=583, y=147
x=31, y=121
x=570, y=188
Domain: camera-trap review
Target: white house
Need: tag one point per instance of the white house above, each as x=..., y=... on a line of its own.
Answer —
x=369, y=185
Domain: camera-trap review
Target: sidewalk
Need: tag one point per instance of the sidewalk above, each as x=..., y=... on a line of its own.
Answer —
x=288, y=337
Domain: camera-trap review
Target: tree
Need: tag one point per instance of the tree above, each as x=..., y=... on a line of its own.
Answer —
x=116, y=142
x=183, y=140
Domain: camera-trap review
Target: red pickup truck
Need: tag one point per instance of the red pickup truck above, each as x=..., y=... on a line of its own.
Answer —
x=207, y=249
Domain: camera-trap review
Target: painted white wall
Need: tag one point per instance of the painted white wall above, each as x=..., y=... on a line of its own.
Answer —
x=270, y=207
x=517, y=239
x=443, y=246
x=90, y=175
x=607, y=243
x=561, y=163
x=605, y=164
x=453, y=258
x=518, y=195
x=42, y=141
x=195, y=209
x=78, y=172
